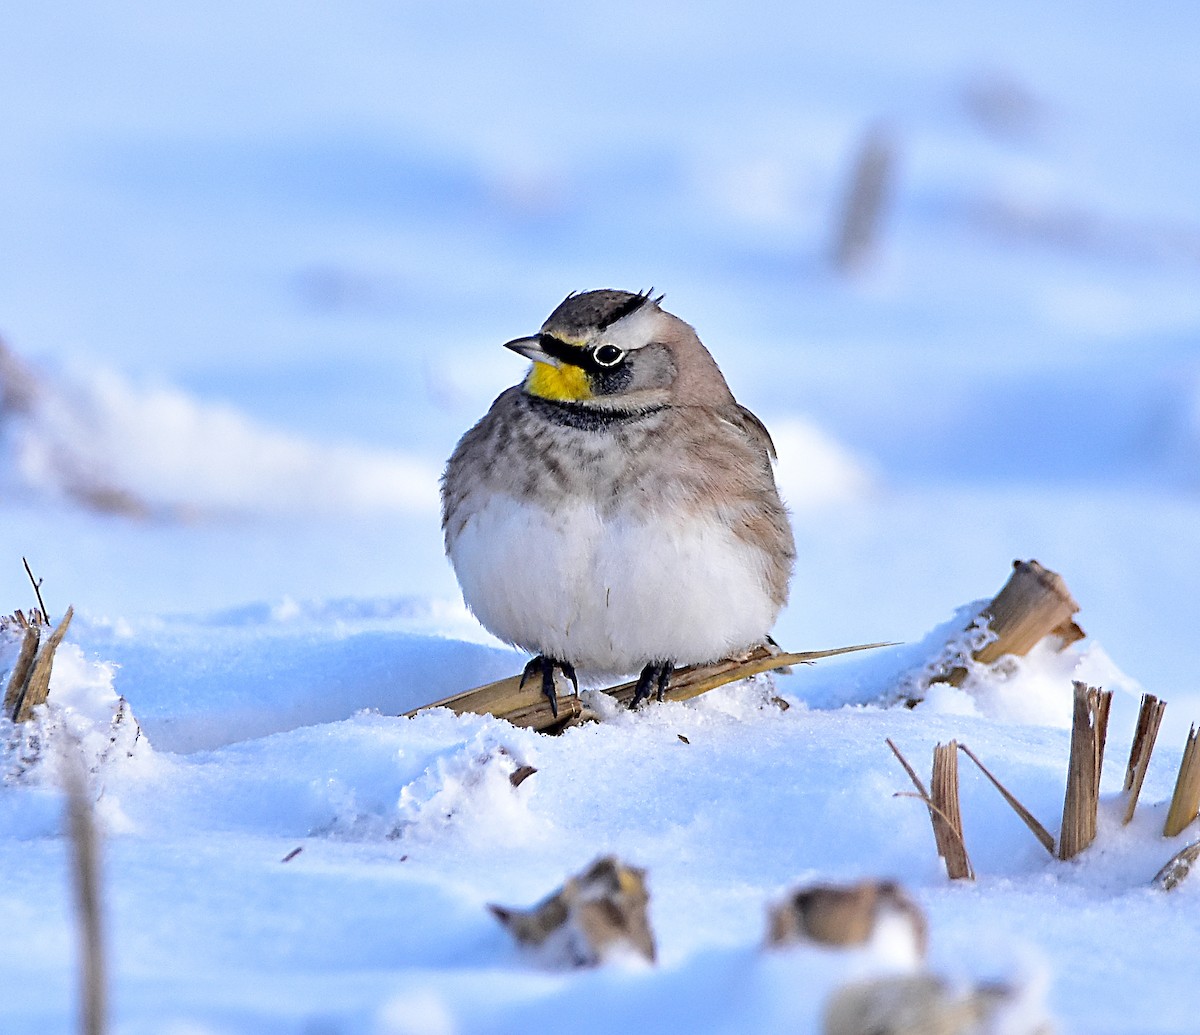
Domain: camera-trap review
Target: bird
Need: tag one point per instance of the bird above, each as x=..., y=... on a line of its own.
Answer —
x=617, y=512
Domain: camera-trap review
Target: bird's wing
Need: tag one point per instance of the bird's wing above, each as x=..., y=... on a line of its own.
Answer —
x=754, y=429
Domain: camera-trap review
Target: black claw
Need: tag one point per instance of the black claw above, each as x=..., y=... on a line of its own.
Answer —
x=531, y=666
x=568, y=670
x=664, y=678
x=545, y=667
x=548, y=686
x=642, y=690
x=655, y=676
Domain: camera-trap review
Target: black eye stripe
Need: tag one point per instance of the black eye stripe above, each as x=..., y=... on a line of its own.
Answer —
x=600, y=360
x=559, y=349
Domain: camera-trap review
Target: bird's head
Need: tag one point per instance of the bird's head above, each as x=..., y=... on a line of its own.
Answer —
x=614, y=350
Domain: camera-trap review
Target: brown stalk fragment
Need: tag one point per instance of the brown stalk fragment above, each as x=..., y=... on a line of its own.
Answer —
x=1185, y=802
x=37, y=688
x=695, y=680
x=527, y=707
x=1040, y=832
x=1082, y=799
x=1149, y=719
x=1034, y=603
x=947, y=816
x=519, y=776
x=19, y=677
x=596, y=915
x=912, y=773
x=947, y=824
x=85, y=874
x=37, y=586
x=839, y=915
x=1103, y=706
x=924, y=1004
x=1178, y=868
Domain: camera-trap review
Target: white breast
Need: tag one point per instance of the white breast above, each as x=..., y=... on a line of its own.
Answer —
x=611, y=595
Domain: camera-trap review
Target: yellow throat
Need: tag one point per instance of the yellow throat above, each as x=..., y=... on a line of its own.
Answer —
x=564, y=384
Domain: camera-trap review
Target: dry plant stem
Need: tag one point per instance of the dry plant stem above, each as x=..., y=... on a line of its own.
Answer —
x=1088, y=731
x=38, y=686
x=528, y=708
x=1103, y=705
x=951, y=826
x=912, y=773
x=1040, y=832
x=85, y=871
x=37, y=586
x=1149, y=719
x=19, y=678
x=1034, y=603
x=1185, y=802
x=1178, y=868
x=699, y=679
x=947, y=819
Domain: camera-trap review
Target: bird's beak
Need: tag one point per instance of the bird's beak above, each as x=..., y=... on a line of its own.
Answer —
x=531, y=349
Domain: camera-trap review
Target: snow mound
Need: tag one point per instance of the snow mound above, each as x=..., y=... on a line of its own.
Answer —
x=1034, y=690
x=474, y=784
x=309, y=663
x=83, y=717
x=95, y=436
x=408, y=827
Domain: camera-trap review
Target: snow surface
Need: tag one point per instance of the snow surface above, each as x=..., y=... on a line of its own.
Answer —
x=260, y=258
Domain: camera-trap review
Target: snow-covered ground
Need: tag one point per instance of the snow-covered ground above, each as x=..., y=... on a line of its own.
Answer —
x=259, y=260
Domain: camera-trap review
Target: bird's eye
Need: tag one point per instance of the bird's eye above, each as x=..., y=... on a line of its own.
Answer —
x=608, y=355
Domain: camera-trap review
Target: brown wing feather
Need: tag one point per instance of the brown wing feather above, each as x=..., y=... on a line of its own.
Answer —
x=755, y=429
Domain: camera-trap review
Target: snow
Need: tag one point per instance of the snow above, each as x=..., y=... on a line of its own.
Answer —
x=260, y=260
x=178, y=455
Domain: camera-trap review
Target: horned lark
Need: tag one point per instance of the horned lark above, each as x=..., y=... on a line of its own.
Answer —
x=617, y=510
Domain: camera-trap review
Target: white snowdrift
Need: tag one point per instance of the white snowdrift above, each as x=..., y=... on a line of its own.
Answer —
x=407, y=827
x=93, y=432
x=84, y=725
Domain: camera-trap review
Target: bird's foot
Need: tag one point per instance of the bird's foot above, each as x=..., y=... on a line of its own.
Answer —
x=545, y=667
x=655, y=676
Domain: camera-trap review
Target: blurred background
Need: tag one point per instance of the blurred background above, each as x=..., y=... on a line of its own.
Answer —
x=258, y=259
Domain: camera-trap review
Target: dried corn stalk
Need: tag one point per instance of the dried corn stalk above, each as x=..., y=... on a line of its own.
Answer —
x=1088, y=731
x=1185, y=802
x=1034, y=603
x=924, y=1004
x=595, y=916
x=34, y=676
x=840, y=915
x=527, y=706
x=14, y=691
x=944, y=812
x=85, y=872
x=947, y=815
x=1178, y=868
x=1149, y=719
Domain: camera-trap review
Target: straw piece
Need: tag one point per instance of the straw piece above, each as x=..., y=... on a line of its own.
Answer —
x=1149, y=719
